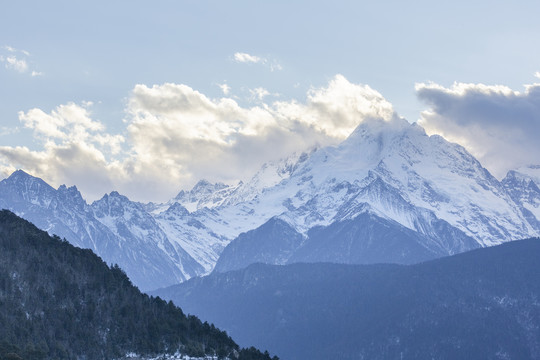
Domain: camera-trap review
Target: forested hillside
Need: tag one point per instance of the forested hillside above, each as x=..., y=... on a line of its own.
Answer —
x=58, y=301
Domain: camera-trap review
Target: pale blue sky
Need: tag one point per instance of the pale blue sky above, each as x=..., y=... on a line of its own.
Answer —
x=56, y=52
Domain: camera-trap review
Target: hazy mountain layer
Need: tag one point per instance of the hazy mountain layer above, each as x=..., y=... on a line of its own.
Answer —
x=483, y=304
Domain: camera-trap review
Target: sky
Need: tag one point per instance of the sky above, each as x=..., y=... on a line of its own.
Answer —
x=147, y=98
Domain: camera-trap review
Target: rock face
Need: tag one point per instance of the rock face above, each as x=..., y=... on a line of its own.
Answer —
x=388, y=193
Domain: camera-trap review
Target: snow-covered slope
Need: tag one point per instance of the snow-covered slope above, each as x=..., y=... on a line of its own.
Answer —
x=139, y=232
x=219, y=213
x=191, y=235
x=428, y=173
x=523, y=185
x=420, y=174
x=392, y=170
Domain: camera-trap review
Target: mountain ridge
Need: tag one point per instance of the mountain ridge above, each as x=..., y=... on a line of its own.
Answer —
x=390, y=170
x=65, y=213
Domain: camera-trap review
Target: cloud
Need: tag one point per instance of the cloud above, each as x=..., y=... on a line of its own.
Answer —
x=175, y=136
x=74, y=149
x=246, y=58
x=13, y=50
x=70, y=123
x=177, y=130
x=259, y=93
x=226, y=89
x=11, y=62
x=174, y=125
x=500, y=126
x=338, y=108
x=17, y=60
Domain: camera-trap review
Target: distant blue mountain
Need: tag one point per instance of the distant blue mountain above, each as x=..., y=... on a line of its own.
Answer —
x=482, y=304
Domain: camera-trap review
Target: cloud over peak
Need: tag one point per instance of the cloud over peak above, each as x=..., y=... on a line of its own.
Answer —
x=176, y=135
x=221, y=140
x=497, y=124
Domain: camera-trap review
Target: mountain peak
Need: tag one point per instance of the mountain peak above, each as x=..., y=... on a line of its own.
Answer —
x=177, y=209
x=20, y=175
x=372, y=128
x=19, y=172
x=29, y=187
x=205, y=185
x=202, y=183
x=530, y=172
x=71, y=194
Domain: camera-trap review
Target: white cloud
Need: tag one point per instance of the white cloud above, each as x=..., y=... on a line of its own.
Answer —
x=247, y=58
x=68, y=121
x=11, y=62
x=537, y=74
x=498, y=125
x=337, y=109
x=75, y=149
x=226, y=89
x=17, y=60
x=176, y=135
x=13, y=50
x=259, y=93
x=181, y=132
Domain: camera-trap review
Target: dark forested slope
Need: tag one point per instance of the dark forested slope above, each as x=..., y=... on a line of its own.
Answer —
x=62, y=302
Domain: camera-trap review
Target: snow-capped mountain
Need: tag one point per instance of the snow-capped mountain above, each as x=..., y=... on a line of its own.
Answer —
x=427, y=172
x=523, y=185
x=148, y=244
x=206, y=218
x=188, y=233
x=394, y=172
x=388, y=193
x=118, y=230
x=420, y=186
x=395, y=169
